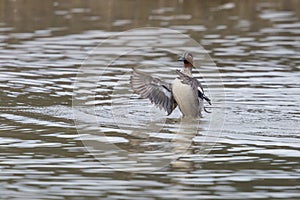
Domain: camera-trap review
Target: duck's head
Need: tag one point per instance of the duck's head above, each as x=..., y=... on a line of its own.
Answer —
x=187, y=59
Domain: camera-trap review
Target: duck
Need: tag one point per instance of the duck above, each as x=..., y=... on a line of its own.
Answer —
x=185, y=91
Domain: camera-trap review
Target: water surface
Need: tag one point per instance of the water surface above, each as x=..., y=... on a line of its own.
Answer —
x=255, y=45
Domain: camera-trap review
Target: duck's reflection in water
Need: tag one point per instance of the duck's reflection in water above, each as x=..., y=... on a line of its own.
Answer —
x=188, y=129
x=139, y=149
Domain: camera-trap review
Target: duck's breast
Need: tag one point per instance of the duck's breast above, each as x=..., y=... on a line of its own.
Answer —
x=186, y=99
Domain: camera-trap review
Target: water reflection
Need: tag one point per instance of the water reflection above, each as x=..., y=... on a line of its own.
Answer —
x=255, y=45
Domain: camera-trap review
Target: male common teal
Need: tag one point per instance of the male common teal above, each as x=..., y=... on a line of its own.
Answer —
x=185, y=91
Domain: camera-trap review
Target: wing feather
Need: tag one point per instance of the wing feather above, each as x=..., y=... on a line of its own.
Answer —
x=154, y=89
x=195, y=84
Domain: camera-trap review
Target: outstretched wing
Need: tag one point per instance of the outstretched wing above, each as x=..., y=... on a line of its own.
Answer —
x=156, y=90
x=195, y=84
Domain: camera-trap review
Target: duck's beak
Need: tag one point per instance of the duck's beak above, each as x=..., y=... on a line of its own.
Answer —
x=182, y=58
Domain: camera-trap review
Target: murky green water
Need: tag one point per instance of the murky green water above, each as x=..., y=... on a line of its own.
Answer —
x=255, y=45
